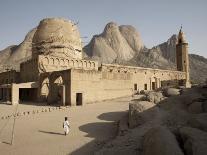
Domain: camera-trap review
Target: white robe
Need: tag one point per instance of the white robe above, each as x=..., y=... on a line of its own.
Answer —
x=66, y=127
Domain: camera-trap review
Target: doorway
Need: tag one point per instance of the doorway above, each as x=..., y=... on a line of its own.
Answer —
x=135, y=86
x=153, y=86
x=27, y=94
x=79, y=99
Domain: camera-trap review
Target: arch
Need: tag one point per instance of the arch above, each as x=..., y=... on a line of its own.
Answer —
x=56, y=93
x=46, y=60
x=76, y=63
x=58, y=80
x=52, y=61
x=67, y=62
x=71, y=63
x=81, y=64
x=57, y=61
x=62, y=62
x=93, y=65
x=44, y=88
x=89, y=64
x=84, y=64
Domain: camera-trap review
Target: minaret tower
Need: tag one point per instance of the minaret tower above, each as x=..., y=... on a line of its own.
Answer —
x=182, y=57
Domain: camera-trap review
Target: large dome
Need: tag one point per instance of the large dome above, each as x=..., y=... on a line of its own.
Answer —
x=57, y=37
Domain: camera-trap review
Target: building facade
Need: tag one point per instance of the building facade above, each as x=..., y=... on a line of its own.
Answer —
x=57, y=74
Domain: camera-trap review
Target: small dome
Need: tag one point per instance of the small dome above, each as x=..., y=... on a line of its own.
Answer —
x=57, y=37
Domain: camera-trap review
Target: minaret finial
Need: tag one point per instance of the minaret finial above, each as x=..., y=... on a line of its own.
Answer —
x=181, y=27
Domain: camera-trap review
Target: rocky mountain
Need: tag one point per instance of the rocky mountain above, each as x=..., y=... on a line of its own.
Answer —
x=115, y=44
x=13, y=55
x=123, y=45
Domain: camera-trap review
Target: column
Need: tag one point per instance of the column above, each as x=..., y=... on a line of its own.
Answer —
x=14, y=94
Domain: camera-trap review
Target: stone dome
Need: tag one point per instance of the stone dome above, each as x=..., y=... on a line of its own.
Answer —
x=57, y=37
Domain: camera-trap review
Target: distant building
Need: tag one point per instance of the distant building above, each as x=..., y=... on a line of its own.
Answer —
x=57, y=74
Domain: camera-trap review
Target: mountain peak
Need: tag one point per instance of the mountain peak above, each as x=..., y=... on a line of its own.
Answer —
x=122, y=43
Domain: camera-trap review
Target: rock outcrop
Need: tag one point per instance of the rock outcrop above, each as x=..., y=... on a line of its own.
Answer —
x=160, y=141
x=194, y=140
x=171, y=92
x=140, y=112
x=115, y=44
x=12, y=56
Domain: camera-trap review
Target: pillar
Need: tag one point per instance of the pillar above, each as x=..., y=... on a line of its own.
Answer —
x=62, y=87
x=14, y=94
x=1, y=95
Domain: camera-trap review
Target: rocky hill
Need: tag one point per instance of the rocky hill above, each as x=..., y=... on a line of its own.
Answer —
x=13, y=55
x=123, y=45
x=115, y=44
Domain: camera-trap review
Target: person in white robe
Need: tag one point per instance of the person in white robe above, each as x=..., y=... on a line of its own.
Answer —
x=66, y=126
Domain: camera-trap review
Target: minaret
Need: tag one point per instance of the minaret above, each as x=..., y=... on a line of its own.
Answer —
x=182, y=57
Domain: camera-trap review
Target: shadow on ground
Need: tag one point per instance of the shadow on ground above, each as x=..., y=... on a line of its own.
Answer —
x=50, y=132
x=98, y=131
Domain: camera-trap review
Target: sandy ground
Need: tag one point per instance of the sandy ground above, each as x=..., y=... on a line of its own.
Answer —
x=91, y=126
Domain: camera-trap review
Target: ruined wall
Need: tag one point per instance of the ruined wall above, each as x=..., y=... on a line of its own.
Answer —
x=57, y=37
x=29, y=70
x=9, y=77
x=50, y=85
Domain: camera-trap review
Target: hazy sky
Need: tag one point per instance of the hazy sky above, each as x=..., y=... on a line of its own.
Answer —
x=156, y=20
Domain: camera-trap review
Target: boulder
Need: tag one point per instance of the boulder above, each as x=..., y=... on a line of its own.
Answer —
x=171, y=92
x=141, y=112
x=194, y=141
x=204, y=106
x=154, y=97
x=160, y=141
x=195, y=107
x=199, y=121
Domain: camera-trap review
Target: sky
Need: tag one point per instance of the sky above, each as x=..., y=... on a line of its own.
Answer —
x=155, y=20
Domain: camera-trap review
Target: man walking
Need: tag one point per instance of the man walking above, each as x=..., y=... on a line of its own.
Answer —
x=66, y=126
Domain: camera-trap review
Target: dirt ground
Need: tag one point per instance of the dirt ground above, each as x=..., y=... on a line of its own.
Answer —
x=92, y=126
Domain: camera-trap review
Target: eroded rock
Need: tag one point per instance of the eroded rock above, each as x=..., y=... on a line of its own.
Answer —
x=171, y=92
x=160, y=141
x=154, y=97
x=140, y=112
x=199, y=121
x=194, y=141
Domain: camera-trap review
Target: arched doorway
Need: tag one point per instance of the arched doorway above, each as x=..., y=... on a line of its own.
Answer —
x=44, y=89
x=153, y=83
x=57, y=90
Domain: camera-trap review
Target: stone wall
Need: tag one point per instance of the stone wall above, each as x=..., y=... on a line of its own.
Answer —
x=98, y=86
x=144, y=76
x=9, y=77
x=29, y=70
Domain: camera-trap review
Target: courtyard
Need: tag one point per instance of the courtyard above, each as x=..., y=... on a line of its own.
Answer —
x=92, y=125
